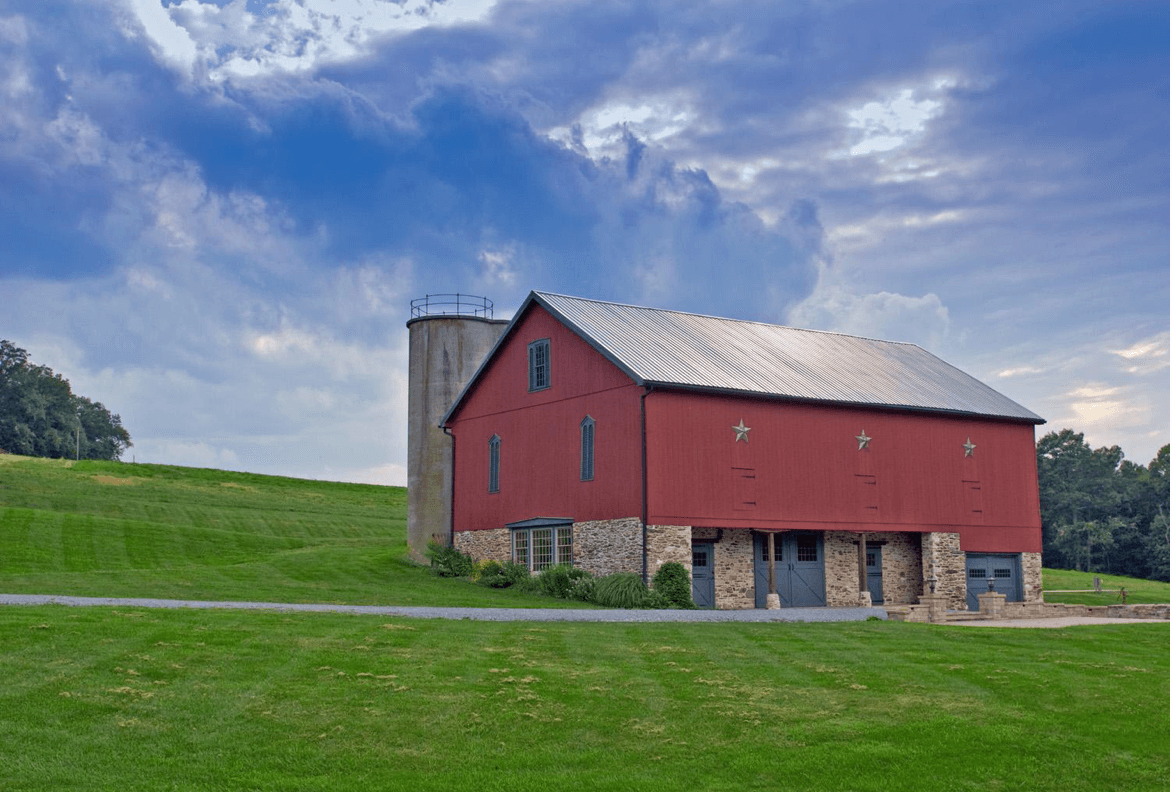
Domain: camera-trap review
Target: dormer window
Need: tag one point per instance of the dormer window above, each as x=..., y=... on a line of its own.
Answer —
x=539, y=365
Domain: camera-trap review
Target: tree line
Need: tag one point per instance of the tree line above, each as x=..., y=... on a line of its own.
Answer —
x=40, y=415
x=1101, y=512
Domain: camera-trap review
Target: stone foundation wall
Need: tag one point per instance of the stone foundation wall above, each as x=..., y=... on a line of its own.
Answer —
x=903, y=568
x=603, y=547
x=941, y=556
x=841, y=551
x=668, y=543
x=1031, y=577
x=494, y=543
x=733, y=568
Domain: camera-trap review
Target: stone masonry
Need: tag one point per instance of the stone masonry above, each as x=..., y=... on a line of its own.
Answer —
x=902, y=567
x=1031, y=577
x=603, y=547
x=733, y=569
x=943, y=557
x=841, y=551
x=668, y=543
x=494, y=543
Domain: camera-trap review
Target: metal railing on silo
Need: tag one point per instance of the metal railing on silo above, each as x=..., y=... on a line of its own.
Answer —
x=451, y=305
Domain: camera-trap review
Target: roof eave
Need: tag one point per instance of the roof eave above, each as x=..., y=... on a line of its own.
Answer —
x=713, y=389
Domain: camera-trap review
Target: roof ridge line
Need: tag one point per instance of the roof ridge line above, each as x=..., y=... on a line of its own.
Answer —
x=725, y=318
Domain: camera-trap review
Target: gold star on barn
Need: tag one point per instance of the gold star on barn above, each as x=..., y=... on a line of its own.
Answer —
x=863, y=439
x=969, y=445
x=742, y=432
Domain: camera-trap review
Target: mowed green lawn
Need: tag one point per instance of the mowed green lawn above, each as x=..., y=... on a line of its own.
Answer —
x=1138, y=590
x=137, y=699
x=121, y=530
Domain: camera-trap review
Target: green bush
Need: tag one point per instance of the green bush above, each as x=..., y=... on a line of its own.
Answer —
x=514, y=572
x=559, y=580
x=620, y=590
x=448, y=561
x=673, y=583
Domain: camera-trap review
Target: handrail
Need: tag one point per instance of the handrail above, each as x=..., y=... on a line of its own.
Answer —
x=451, y=305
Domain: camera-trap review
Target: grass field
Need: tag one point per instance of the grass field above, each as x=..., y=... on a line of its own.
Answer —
x=134, y=699
x=120, y=530
x=130, y=699
x=1138, y=590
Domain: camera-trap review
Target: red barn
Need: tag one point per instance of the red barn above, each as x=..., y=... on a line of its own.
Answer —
x=618, y=438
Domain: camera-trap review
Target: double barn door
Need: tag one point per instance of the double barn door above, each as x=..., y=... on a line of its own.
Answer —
x=798, y=566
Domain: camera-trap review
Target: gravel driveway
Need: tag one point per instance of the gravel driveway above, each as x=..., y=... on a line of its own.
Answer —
x=476, y=614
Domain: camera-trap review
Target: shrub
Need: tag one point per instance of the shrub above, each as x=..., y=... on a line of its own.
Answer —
x=672, y=581
x=620, y=590
x=559, y=580
x=485, y=568
x=514, y=572
x=583, y=590
x=448, y=561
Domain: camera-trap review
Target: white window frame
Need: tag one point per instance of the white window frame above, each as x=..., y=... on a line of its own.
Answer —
x=544, y=546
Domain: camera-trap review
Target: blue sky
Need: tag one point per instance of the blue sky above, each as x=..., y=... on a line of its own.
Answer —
x=215, y=214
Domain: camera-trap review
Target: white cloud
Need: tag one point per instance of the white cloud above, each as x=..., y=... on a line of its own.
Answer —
x=891, y=122
x=1145, y=356
x=651, y=118
x=286, y=36
x=884, y=315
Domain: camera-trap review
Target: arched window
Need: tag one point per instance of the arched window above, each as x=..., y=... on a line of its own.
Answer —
x=494, y=464
x=587, y=449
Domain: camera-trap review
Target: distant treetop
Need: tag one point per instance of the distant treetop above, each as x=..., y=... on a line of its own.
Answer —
x=41, y=416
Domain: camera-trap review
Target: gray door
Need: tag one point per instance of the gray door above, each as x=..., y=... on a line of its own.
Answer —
x=798, y=568
x=1005, y=569
x=875, y=573
x=703, y=579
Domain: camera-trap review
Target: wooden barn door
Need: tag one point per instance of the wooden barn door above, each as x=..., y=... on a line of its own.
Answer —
x=703, y=577
x=798, y=566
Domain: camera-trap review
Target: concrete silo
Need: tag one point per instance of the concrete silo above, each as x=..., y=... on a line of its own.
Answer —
x=450, y=335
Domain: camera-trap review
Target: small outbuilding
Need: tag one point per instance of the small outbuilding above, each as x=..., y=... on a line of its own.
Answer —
x=817, y=465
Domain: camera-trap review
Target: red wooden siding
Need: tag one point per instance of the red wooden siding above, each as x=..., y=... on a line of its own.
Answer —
x=802, y=469
x=540, y=432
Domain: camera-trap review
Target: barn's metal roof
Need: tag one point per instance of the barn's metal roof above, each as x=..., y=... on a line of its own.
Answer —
x=681, y=350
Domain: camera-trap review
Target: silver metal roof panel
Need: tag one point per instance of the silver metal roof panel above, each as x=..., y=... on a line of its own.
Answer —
x=670, y=348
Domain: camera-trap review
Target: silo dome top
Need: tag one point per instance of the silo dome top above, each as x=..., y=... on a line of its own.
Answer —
x=451, y=305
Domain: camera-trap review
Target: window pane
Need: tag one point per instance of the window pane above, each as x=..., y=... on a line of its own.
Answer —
x=494, y=464
x=588, y=449
x=699, y=558
x=565, y=549
x=521, y=547
x=977, y=573
x=807, y=548
x=542, y=549
x=1002, y=573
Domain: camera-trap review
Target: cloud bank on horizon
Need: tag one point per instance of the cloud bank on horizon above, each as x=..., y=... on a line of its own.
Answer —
x=215, y=214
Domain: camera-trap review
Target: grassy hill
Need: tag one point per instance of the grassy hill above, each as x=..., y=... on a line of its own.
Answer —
x=134, y=699
x=122, y=530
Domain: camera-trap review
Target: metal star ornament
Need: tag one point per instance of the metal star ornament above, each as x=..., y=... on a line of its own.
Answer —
x=742, y=432
x=863, y=439
x=969, y=445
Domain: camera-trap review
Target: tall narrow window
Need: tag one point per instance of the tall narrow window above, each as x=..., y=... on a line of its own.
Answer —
x=587, y=448
x=539, y=365
x=494, y=464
